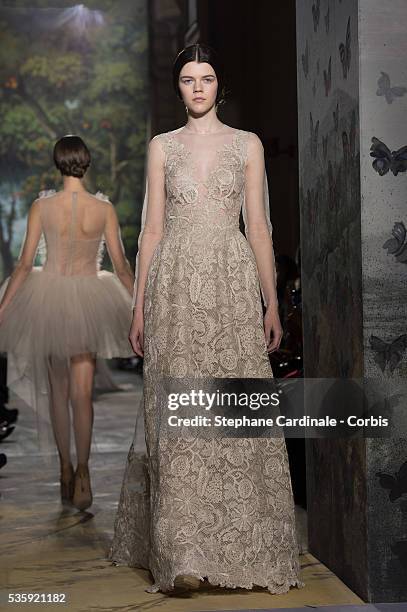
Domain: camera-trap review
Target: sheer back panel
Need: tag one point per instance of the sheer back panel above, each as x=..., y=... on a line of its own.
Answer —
x=73, y=225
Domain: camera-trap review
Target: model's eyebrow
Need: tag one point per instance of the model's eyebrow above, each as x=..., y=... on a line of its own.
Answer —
x=185, y=76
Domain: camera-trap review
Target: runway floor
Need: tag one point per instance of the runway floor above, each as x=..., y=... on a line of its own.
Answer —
x=50, y=549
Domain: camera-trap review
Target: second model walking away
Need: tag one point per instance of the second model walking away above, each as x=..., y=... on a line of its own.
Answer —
x=55, y=320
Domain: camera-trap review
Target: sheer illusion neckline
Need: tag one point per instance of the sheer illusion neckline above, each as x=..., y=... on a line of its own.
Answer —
x=222, y=131
x=186, y=151
x=229, y=130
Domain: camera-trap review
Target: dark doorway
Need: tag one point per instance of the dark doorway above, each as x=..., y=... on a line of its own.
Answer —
x=257, y=41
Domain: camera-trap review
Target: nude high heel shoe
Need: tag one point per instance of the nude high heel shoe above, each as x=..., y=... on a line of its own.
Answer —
x=82, y=497
x=187, y=582
x=67, y=484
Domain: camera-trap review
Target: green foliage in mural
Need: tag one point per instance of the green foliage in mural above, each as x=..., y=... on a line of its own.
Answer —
x=72, y=70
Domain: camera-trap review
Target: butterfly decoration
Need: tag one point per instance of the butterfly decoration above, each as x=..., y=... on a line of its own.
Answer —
x=384, y=406
x=388, y=353
x=386, y=160
x=326, y=18
x=345, y=52
x=305, y=60
x=314, y=136
x=328, y=77
x=335, y=114
x=397, y=245
x=397, y=484
x=349, y=142
x=314, y=88
x=316, y=11
x=325, y=146
x=384, y=88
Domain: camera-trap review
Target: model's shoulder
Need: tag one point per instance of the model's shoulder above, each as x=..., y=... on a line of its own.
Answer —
x=250, y=145
x=103, y=200
x=45, y=194
x=252, y=138
x=164, y=136
x=157, y=141
x=157, y=138
x=163, y=144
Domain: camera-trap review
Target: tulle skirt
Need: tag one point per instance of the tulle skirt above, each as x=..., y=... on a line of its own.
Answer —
x=63, y=316
x=52, y=318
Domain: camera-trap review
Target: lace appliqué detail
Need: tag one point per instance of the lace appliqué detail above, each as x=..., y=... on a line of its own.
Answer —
x=46, y=193
x=101, y=253
x=101, y=196
x=227, y=179
x=215, y=199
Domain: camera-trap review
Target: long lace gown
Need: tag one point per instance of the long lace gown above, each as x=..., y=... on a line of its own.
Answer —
x=216, y=508
x=69, y=305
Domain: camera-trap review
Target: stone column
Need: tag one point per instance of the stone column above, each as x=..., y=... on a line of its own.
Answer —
x=352, y=82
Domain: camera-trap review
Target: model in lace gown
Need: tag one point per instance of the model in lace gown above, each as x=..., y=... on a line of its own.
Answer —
x=216, y=508
x=56, y=320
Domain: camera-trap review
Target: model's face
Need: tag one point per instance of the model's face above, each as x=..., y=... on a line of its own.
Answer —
x=198, y=86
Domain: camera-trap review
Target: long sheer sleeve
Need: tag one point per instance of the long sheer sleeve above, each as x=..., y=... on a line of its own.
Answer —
x=256, y=217
x=152, y=218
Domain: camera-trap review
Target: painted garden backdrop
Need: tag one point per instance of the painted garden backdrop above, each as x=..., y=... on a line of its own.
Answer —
x=71, y=69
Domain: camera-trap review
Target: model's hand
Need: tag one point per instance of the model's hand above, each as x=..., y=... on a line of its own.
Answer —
x=272, y=329
x=136, y=335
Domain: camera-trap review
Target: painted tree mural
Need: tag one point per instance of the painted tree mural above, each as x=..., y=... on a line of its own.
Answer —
x=67, y=70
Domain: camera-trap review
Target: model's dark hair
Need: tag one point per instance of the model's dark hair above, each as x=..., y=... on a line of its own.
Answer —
x=202, y=54
x=71, y=156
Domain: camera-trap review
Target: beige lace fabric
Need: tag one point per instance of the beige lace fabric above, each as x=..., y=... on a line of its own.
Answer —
x=68, y=305
x=216, y=508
